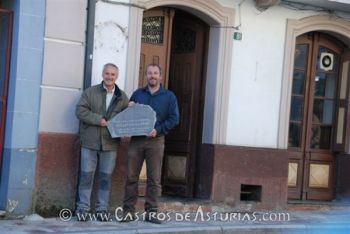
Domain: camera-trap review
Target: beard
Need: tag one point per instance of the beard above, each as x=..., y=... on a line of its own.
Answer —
x=153, y=83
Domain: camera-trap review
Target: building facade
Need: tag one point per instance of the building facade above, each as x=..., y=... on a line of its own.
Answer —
x=262, y=88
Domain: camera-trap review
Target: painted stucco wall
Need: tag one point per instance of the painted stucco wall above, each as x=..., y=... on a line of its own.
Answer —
x=57, y=161
x=256, y=76
x=63, y=67
x=110, y=40
x=257, y=65
x=255, y=82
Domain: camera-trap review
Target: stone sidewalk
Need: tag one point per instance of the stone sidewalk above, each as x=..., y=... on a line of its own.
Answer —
x=296, y=219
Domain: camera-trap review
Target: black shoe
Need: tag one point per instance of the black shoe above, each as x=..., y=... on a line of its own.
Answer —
x=82, y=215
x=152, y=218
x=128, y=217
x=102, y=216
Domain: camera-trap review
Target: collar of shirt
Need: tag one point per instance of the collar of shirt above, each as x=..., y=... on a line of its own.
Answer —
x=109, y=96
x=112, y=91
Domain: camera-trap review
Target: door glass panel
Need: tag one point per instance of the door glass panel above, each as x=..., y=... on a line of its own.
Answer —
x=323, y=111
x=152, y=29
x=298, y=90
x=294, y=135
x=298, y=82
x=325, y=139
x=296, y=108
x=300, y=56
x=320, y=137
x=325, y=84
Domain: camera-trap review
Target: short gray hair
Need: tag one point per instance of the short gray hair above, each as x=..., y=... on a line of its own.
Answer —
x=109, y=65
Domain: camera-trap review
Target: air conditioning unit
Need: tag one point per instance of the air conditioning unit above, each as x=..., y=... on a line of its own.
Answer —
x=326, y=61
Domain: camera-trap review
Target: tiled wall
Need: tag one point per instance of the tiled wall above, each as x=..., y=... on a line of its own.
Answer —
x=21, y=134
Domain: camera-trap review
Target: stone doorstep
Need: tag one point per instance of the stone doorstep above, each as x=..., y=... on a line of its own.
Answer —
x=176, y=204
x=314, y=205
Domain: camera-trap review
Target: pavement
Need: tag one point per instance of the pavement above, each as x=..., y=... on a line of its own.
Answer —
x=297, y=218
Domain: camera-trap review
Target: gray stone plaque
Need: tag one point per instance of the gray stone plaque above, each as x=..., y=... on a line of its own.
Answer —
x=137, y=120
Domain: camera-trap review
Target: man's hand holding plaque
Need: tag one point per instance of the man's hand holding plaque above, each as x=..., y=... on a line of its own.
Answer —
x=136, y=120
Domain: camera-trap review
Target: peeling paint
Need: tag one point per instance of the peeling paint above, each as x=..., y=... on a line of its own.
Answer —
x=11, y=205
x=25, y=181
x=28, y=150
x=110, y=35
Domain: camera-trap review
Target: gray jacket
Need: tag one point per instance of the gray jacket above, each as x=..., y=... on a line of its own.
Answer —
x=90, y=109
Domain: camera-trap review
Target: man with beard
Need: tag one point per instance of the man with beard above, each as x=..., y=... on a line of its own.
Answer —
x=149, y=148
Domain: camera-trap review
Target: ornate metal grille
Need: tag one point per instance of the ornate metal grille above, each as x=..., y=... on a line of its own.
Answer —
x=153, y=29
x=184, y=40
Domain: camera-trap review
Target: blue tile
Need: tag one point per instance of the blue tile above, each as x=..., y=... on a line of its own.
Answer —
x=33, y=7
x=31, y=32
x=29, y=64
x=27, y=96
x=22, y=169
x=18, y=179
x=8, y=129
x=24, y=130
x=23, y=199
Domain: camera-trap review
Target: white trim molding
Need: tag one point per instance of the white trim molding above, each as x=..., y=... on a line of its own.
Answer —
x=294, y=29
x=221, y=21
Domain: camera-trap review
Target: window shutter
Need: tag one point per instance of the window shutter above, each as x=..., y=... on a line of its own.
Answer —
x=342, y=121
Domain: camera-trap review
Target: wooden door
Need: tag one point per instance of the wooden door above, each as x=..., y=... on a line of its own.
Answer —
x=186, y=80
x=155, y=49
x=6, y=18
x=156, y=42
x=312, y=117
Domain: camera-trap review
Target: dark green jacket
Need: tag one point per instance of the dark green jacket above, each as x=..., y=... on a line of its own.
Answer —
x=90, y=109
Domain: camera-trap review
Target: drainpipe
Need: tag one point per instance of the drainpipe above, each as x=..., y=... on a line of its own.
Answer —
x=89, y=42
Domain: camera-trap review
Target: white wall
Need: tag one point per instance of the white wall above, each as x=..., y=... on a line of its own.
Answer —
x=63, y=68
x=257, y=63
x=110, y=39
x=255, y=87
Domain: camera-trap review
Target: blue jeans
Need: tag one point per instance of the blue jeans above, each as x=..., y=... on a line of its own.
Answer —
x=88, y=164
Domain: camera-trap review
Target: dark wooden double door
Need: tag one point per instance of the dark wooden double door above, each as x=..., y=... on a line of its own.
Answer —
x=176, y=41
x=317, y=116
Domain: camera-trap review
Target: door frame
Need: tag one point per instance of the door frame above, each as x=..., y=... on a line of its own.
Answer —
x=6, y=79
x=305, y=155
x=296, y=28
x=191, y=173
x=221, y=20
